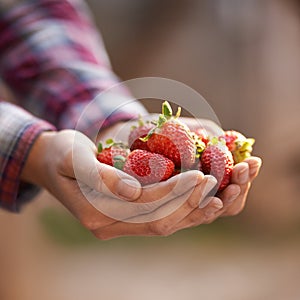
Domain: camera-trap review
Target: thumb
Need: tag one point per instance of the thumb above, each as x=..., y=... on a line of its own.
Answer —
x=101, y=177
x=113, y=182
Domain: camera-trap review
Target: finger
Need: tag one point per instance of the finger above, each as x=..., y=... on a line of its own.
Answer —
x=255, y=164
x=117, y=209
x=171, y=188
x=240, y=173
x=174, y=211
x=172, y=191
x=113, y=182
x=236, y=205
x=96, y=210
x=197, y=217
x=230, y=194
x=164, y=225
x=103, y=178
x=164, y=192
x=201, y=216
x=244, y=176
x=234, y=195
x=107, y=179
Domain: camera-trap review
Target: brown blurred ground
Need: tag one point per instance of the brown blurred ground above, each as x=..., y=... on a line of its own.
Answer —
x=244, y=58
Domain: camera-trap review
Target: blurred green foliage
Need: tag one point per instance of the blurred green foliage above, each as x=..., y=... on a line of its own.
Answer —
x=63, y=229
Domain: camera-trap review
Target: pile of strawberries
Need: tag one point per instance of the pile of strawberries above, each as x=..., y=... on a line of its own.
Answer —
x=165, y=147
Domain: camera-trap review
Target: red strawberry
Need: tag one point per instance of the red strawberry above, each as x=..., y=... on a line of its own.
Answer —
x=148, y=167
x=173, y=139
x=238, y=144
x=138, y=132
x=202, y=135
x=107, y=155
x=217, y=160
x=175, y=172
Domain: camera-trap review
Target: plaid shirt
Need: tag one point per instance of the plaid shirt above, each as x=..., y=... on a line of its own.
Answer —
x=54, y=63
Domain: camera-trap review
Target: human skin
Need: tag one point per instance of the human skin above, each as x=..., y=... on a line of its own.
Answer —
x=159, y=209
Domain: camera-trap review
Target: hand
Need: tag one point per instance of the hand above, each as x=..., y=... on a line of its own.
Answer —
x=99, y=195
x=229, y=203
x=94, y=198
x=234, y=196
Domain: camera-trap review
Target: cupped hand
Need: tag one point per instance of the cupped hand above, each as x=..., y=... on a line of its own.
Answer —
x=110, y=203
x=235, y=195
x=191, y=208
x=107, y=201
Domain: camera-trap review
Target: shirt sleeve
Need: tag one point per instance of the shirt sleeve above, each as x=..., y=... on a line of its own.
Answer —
x=53, y=60
x=18, y=131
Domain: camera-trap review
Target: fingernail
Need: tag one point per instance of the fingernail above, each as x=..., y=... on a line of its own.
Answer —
x=128, y=188
x=243, y=175
x=211, y=211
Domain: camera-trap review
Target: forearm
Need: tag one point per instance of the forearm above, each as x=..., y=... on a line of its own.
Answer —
x=51, y=52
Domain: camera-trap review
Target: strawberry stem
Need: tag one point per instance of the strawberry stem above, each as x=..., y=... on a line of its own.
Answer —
x=109, y=142
x=146, y=138
x=178, y=112
x=166, y=115
x=100, y=147
x=167, y=110
x=161, y=120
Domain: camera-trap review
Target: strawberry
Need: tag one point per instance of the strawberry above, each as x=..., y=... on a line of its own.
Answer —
x=107, y=154
x=202, y=135
x=238, y=145
x=175, y=172
x=148, y=167
x=138, y=132
x=172, y=138
x=217, y=160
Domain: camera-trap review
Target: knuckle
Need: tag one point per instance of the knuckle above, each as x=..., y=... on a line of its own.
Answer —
x=236, y=211
x=191, y=203
x=209, y=220
x=161, y=228
x=101, y=236
x=196, y=219
x=90, y=223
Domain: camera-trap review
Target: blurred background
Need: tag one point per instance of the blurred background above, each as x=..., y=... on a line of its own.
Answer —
x=244, y=58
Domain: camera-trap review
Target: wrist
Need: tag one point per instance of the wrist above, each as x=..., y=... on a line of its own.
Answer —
x=35, y=167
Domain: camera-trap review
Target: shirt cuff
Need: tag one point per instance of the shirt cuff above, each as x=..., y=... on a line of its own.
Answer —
x=13, y=192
